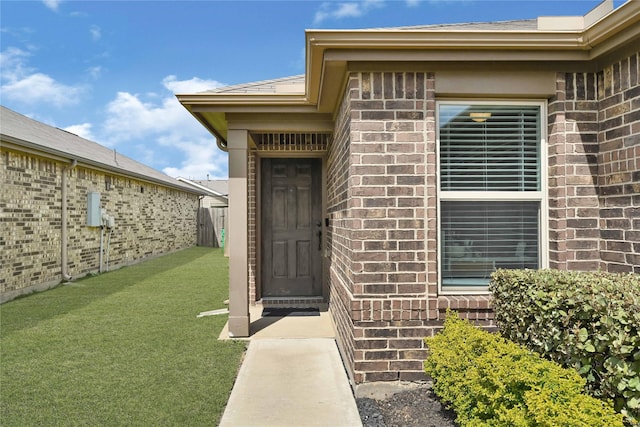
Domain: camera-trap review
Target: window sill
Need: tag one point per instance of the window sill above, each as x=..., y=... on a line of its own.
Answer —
x=465, y=302
x=468, y=291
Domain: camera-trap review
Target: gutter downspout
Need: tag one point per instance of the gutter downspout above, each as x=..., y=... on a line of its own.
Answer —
x=222, y=143
x=63, y=220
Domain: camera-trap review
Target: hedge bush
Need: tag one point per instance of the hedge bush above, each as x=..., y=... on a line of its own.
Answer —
x=586, y=321
x=489, y=381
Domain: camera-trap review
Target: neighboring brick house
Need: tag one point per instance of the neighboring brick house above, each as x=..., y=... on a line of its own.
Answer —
x=409, y=163
x=47, y=175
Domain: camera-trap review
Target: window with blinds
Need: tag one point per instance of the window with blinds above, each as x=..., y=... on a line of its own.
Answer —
x=489, y=191
x=489, y=148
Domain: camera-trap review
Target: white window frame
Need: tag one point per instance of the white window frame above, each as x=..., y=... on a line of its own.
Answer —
x=540, y=196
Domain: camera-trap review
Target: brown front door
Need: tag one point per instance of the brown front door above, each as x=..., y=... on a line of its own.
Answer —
x=291, y=227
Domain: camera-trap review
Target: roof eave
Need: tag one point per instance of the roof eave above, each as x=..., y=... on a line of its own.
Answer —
x=205, y=190
x=210, y=109
x=242, y=99
x=329, y=53
x=17, y=144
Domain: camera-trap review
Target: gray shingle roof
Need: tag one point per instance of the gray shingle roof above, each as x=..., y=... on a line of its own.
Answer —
x=218, y=185
x=23, y=131
x=263, y=86
x=517, y=25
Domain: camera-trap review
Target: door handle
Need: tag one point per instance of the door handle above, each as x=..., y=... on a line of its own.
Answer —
x=319, y=225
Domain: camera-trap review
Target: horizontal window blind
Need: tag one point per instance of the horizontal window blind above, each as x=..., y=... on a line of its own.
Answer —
x=479, y=236
x=489, y=148
x=490, y=191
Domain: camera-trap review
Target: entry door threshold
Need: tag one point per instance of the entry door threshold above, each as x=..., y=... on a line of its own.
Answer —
x=294, y=302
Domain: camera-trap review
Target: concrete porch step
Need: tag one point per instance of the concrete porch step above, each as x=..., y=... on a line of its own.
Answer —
x=294, y=302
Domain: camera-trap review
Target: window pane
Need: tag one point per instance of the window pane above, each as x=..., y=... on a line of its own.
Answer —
x=479, y=236
x=489, y=148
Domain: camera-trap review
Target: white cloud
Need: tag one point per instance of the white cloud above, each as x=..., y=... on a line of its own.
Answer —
x=331, y=10
x=96, y=32
x=40, y=88
x=412, y=3
x=52, y=4
x=202, y=157
x=154, y=125
x=20, y=83
x=193, y=85
x=162, y=125
x=129, y=117
x=13, y=63
x=82, y=130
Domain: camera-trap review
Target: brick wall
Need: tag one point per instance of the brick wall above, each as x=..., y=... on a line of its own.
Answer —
x=252, y=225
x=383, y=236
x=618, y=88
x=382, y=201
x=30, y=218
x=594, y=169
x=573, y=173
x=381, y=198
x=150, y=220
x=388, y=175
x=339, y=232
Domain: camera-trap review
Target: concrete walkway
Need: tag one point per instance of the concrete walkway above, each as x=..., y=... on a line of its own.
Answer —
x=287, y=379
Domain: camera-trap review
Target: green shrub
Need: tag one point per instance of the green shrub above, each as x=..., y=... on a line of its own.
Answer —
x=586, y=321
x=489, y=381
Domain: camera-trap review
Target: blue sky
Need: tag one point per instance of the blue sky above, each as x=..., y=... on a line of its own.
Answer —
x=107, y=70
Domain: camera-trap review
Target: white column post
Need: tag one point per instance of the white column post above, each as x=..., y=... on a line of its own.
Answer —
x=238, y=148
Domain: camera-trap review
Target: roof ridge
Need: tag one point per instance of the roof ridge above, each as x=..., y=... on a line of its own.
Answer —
x=255, y=83
x=458, y=24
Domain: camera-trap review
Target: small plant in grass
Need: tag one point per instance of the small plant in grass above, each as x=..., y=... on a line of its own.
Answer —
x=489, y=381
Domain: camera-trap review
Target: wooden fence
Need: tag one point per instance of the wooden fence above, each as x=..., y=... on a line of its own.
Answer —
x=210, y=226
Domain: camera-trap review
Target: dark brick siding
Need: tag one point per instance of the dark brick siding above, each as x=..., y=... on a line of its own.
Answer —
x=382, y=203
x=594, y=159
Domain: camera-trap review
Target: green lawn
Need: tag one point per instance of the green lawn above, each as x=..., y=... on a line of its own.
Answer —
x=121, y=348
